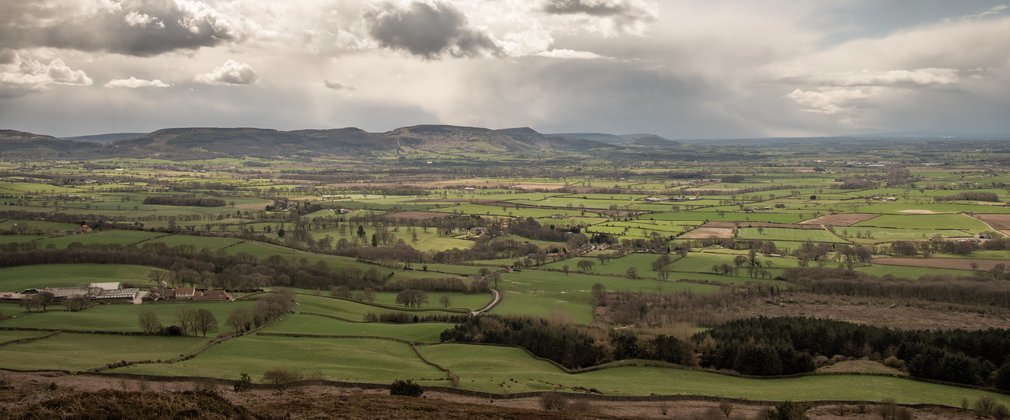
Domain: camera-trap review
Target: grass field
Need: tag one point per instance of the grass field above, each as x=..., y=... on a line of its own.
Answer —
x=118, y=317
x=116, y=237
x=69, y=275
x=352, y=359
x=427, y=332
x=567, y=297
x=78, y=352
x=346, y=309
x=784, y=234
x=927, y=221
x=505, y=370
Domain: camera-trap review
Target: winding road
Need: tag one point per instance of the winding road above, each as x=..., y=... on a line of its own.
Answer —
x=497, y=298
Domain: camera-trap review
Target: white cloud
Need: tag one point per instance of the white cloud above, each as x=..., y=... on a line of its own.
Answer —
x=230, y=73
x=134, y=83
x=135, y=18
x=23, y=75
x=921, y=77
x=570, y=54
x=832, y=100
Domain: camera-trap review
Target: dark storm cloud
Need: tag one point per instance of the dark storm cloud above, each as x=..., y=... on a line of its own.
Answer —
x=428, y=30
x=624, y=13
x=139, y=28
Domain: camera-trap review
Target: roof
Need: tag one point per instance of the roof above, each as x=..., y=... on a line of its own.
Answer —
x=119, y=294
x=106, y=286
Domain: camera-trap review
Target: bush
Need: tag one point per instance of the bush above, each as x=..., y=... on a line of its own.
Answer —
x=281, y=376
x=244, y=383
x=406, y=388
x=787, y=410
x=555, y=402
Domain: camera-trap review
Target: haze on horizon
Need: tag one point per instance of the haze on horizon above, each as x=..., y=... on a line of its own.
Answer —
x=680, y=69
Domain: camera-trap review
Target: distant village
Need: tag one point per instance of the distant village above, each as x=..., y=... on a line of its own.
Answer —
x=114, y=292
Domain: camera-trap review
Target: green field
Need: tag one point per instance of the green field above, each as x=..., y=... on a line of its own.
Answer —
x=427, y=332
x=119, y=317
x=77, y=352
x=338, y=359
x=783, y=234
x=508, y=370
x=927, y=221
x=567, y=297
x=69, y=275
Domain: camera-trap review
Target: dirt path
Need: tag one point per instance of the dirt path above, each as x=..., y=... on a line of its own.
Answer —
x=489, y=306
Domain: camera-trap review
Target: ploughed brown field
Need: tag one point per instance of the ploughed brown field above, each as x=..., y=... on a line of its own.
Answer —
x=844, y=219
x=953, y=263
x=708, y=232
x=1000, y=222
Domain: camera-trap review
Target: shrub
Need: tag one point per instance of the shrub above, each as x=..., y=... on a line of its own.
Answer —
x=555, y=402
x=281, y=376
x=244, y=383
x=788, y=410
x=406, y=388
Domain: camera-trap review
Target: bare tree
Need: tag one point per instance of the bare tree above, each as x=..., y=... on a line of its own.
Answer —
x=149, y=322
x=444, y=300
x=204, y=322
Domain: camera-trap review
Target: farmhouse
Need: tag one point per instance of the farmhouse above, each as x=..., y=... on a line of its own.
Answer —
x=213, y=295
x=185, y=293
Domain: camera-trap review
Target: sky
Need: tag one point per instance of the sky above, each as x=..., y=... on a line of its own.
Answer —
x=680, y=69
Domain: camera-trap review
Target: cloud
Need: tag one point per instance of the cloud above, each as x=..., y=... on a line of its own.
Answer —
x=833, y=93
x=429, y=30
x=135, y=18
x=832, y=100
x=570, y=54
x=629, y=16
x=336, y=85
x=132, y=27
x=916, y=77
x=230, y=73
x=25, y=75
x=134, y=83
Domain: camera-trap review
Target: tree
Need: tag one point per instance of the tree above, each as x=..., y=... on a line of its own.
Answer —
x=341, y=292
x=585, y=265
x=632, y=273
x=1002, y=380
x=599, y=295
x=240, y=320
x=444, y=301
x=659, y=266
x=369, y=295
x=76, y=303
x=149, y=322
x=204, y=322
x=564, y=269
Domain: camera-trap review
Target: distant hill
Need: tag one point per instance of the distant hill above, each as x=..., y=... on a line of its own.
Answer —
x=105, y=138
x=627, y=140
x=176, y=143
x=210, y=142
x=21, y=145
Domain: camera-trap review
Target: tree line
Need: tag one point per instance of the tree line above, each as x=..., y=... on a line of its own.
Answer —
x=569, y=345
x=184, y=200
x=775, y=346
